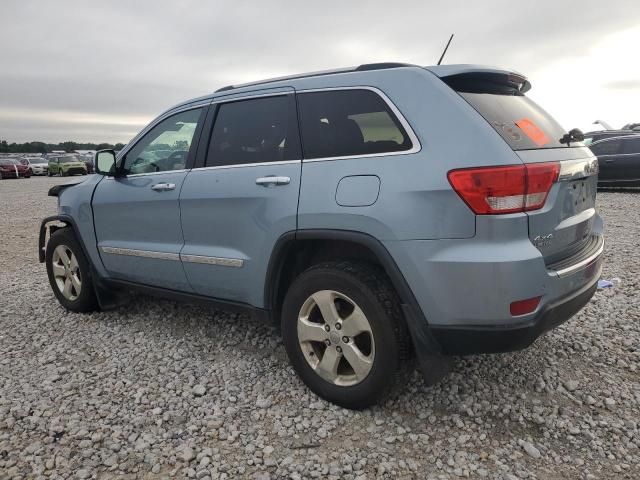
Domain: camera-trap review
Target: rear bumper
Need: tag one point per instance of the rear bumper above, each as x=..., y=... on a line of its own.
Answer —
x=465, y=286
x=498, y=339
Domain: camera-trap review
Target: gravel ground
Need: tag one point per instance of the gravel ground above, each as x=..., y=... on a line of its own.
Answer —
x=159, y=389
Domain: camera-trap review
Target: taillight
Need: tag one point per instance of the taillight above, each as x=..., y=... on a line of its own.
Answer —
x=505, y=189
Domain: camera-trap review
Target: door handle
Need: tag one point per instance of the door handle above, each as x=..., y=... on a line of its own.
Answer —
x=163, y=187
x=609, y=160
x=272, y=180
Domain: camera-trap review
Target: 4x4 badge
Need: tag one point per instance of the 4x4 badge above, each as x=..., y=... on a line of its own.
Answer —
x=543, y=240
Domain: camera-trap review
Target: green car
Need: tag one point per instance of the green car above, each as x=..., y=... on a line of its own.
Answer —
x=64, y=165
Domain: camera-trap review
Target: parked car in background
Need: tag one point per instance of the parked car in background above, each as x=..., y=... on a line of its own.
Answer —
x=12, y=168
x=374, y=230
x=592, y=137
x=89, y=160
x=38, y=165
x=64, y=165
x=618, y=160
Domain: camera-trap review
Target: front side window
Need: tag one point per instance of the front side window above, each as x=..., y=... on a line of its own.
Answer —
x=251, y=131
x=605, y=147
x=342, y=123
x=165, y=147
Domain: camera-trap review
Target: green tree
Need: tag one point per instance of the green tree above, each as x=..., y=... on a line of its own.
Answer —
x=69, y=146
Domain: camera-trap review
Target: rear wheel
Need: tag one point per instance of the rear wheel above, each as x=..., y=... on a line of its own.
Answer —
x=69, y=273
x=344, y=333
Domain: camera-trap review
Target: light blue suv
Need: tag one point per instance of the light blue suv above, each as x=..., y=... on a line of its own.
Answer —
x=382, y=214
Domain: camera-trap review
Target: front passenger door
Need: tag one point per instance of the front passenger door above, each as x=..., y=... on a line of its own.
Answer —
x=607, y=151
x=630, y=159
x=137, y=214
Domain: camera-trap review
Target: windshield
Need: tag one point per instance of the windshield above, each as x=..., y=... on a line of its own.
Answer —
x=70, y=158
x=37, y=160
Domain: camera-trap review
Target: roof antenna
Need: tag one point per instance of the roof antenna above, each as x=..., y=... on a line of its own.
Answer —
x=445, y=49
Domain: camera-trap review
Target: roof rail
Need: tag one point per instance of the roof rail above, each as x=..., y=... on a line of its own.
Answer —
x=361, y=68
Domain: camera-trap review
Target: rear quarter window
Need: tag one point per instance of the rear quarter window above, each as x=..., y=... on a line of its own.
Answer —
x=350, y=122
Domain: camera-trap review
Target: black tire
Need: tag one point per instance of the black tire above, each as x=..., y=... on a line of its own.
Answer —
x=368, y=286
x=86, y=300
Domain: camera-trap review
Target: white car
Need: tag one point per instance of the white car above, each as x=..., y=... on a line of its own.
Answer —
x=38, y=165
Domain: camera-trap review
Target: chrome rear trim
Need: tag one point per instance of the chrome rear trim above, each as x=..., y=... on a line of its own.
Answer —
x=563, y=272
x=575, y=169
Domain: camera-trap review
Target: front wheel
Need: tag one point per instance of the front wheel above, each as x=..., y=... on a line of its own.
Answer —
x=345, y=334
x=69, y=273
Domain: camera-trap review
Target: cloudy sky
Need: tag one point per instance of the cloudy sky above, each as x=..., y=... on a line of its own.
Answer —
x=99, y=71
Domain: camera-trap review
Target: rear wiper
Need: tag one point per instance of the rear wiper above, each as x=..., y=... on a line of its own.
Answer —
x=574, y=135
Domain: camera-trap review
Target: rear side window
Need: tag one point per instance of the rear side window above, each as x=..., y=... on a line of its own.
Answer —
x=631, y=145
x=352, y=122
x=606, y=147
x=255, y=131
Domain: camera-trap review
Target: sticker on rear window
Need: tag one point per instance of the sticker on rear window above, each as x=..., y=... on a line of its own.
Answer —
x=532, y=131
x=509, y=130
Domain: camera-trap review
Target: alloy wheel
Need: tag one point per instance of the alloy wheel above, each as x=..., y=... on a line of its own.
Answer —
x=66, y=272
x=336, y=338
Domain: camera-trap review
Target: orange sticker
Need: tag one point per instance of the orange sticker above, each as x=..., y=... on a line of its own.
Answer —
x=532, y=131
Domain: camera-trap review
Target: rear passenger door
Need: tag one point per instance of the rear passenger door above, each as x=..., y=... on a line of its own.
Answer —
x=243, y=197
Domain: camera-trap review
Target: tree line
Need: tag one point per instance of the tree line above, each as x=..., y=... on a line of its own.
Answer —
x=42, y=147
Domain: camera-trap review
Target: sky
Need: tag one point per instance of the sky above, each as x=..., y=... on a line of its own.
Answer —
x=100, y=71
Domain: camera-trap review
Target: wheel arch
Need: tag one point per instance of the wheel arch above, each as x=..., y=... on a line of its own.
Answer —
x=107, y=297
x=292, y=245
x=48, y=227
x=286, y=255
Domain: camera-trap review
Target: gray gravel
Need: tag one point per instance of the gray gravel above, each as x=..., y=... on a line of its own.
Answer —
x=159, y=389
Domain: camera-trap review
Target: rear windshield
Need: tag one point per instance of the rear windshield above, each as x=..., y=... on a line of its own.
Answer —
x=518, y=119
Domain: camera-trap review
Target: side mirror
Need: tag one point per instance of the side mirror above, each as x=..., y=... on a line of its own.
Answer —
x=106, y=162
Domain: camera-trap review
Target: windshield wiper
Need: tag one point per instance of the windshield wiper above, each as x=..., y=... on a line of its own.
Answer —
x=574, y=135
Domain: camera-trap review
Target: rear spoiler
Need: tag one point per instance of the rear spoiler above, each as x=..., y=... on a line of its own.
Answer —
x=481, y=79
